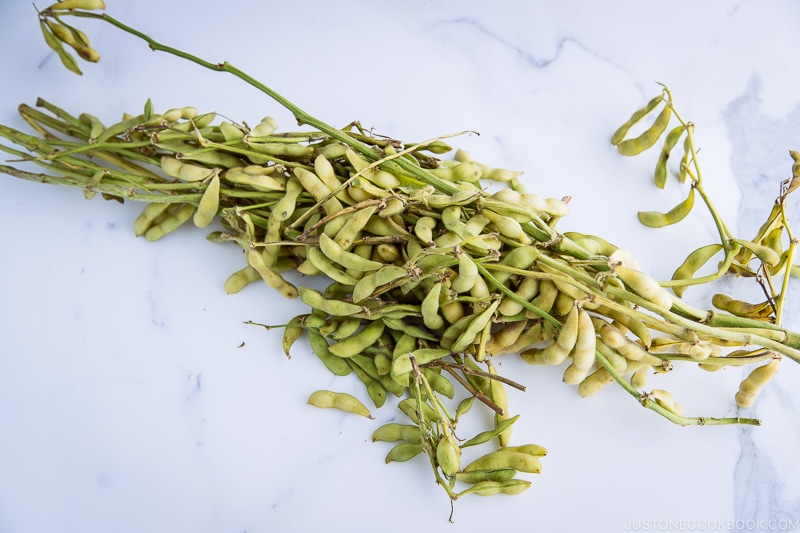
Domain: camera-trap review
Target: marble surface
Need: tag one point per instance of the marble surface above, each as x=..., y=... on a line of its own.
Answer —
x=133, y=397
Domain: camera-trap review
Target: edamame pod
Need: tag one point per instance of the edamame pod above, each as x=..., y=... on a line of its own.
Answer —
x=751, y=386
x=448, y=455
x=649, y=137
x=644, y=285
x=403, y=452
x=342, y=401
x=321, y=348
x=273, y=279
x=315, y=300
x=521, y=462
x=360, y=341
x=489, y=488
x=209, y=204
x=655, y=219
x=394, y=432
x=639, y=114
x=176, y=216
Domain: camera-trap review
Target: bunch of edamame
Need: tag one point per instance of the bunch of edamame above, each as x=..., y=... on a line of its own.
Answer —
x=431, y=275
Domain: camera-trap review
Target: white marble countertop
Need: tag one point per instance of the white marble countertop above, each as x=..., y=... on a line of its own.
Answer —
x=134, y=398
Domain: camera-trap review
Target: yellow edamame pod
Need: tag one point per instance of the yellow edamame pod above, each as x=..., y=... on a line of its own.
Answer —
x=643, y=285
x=594, y=382
x=273, y=279
x=176, y=216
x=353, y=226
x=751, y=386
x=500, y=399
x=324, y=265
x=349, y=260
x=467, y=273
x=741, y=308
x=342, y=401
x=430, y=308
x=315, y=300
x=240, y=279
x=209, y=204
x=692, y=264
x=489, y=488
x=477, y=476
x=146, y=218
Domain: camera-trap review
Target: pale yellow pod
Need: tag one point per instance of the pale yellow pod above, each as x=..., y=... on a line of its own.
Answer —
x=558, y=351
x=638, y=379
x=430, y=308
x=752, y=385
x=193, y=173
x=171, y=166
x=664, y=399
x=349, y=260
x=644, y=285
x=595, y=382
x=508, y=227
x=342, y=401
x=273, y=279
x=467, y=274
x=505, y=336
x=583, y=353
x=526, y=291
x=285, y=207
x=500, y=399
x=353, y=226
x=574, y=375
x=209, y=204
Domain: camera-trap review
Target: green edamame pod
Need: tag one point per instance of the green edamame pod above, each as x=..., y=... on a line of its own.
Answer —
x=649, y=137
x=349, y=260
x=360, y=341
x=315, y=300
x=375, y=390
x=692, y=264
x=490, y=488
x=660, y=175
x=321, y=349
x=522, y=462
x=486, y=436
x=655, y=219
x=324, y=265
x=291, y=333
x=403, y=452
x=394, y=432
x=639, y=114
x=477, y=476
x=448, y=455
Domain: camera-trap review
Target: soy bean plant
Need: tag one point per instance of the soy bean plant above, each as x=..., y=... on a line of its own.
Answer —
x=431, y=276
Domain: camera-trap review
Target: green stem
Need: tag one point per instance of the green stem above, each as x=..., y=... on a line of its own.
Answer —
x=666, y=413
